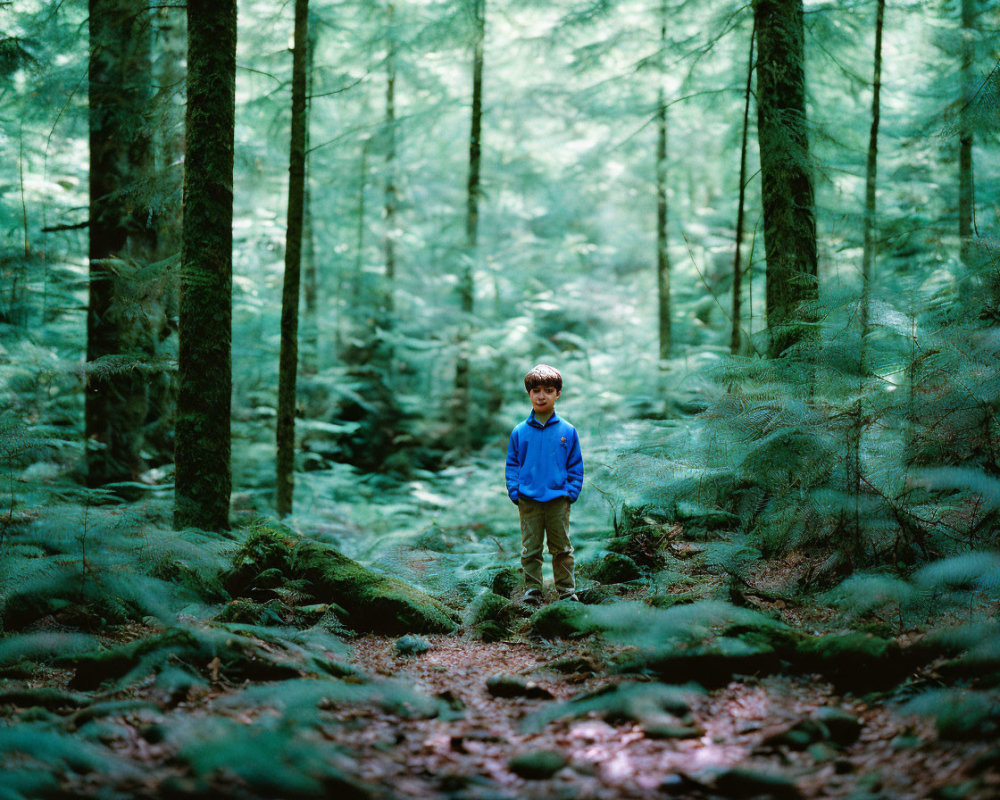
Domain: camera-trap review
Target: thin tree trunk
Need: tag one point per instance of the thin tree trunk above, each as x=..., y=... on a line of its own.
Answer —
x=121, y=238
x=736, y=337
x=391, y=190
x=203, y=479
x=467, y=281
x=170, y=46
x=786, y=183
x=966, y=186
x=288, y=359
x=310, y=273
x=856, y=432
x=662, y=256
x=871, y=174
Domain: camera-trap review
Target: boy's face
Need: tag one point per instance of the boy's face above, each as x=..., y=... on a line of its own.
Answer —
x=543, y=399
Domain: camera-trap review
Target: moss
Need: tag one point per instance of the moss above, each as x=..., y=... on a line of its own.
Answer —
x=612, y=568
x=565, y=619
x=371, y=602
x=492, y=617
x=374, y=603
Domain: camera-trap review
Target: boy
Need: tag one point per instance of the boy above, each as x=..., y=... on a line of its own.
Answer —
x=544, y=475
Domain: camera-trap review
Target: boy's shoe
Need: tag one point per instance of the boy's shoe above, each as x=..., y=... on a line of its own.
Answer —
x=532, y=597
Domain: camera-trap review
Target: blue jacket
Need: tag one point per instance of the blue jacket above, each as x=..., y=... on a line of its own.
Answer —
x=544, y=461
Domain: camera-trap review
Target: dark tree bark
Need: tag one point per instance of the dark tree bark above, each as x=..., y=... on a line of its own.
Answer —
x=786, y=182
x=662, y=256
x=467, y=280
x=871, y=175
x=288, y=359
x=169, y=55
x=966, y=186
x=203, y=479
x=391, y=189
x=736, y=336
x=121, y=238
x=310, y=273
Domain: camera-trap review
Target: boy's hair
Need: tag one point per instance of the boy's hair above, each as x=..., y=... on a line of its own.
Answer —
x=543, y=375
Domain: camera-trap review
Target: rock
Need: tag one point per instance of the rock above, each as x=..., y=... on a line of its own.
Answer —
x=844, y=728
x=372, y=602
x=492, y=617
x=671, y=730
x=506, y=582
x=411, y=645
x=503, y=685
x=537, y=765
x=698, y=519
x=799, y=736
x=681, y=784
x=563, y=618
x=612, y=568
x=753, y=783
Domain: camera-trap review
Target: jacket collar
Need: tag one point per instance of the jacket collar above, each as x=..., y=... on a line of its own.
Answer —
x=537, y=424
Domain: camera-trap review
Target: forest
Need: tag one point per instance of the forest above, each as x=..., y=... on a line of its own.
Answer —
x=273, y=273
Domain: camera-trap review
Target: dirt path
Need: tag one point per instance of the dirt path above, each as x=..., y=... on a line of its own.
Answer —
x=469, y=756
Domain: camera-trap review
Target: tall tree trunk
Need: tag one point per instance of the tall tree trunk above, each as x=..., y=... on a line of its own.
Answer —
x=203, y=481
x=736, y=337
x=121, y=239
x=786, y=182
x=966, y=186
x=871, y=174
x=662, y=256
x=170, y=50
x=467, y=289
x=853, y=544
x=310, y=273
x=391, y=190
x=288, y=360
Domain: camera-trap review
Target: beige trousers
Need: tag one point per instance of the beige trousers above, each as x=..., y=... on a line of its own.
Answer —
x=546, y=522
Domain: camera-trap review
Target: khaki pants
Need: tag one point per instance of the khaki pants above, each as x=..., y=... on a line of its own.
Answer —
x=549, y=522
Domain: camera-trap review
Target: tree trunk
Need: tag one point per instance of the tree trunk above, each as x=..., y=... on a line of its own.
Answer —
x=662, y=256
x=871, y=173
x=288, y=359
x=391, y=190
x=121, y=238
x=170, y=46
x=966, y=187
x=203, y=479
x=786, y=183
x=467, y=280
x=736, y=338
x=310, y=273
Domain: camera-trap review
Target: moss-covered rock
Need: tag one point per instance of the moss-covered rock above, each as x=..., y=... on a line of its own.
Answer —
x=492, y=617
x=370, y=601
x=374, y=602
x=563, y=619
x=506, y=582
x=853, y=660
x=610, y=569
x=537, y=765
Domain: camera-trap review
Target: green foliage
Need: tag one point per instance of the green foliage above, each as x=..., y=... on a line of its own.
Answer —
x=958, y=713
x=492, y=617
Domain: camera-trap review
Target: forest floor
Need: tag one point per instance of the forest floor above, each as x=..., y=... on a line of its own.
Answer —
x=732, y=749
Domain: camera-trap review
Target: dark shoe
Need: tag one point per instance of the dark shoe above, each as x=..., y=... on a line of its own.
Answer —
x=532, y=597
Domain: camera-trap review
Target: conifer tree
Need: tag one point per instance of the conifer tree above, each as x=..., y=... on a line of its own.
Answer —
x=121, y=238
x=287, y=370
x=203, y=479
x=467, y=278
x=786, y=182
x=662, y=257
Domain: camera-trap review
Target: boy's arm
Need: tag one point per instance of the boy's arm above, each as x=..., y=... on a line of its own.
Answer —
x=574, y=469
x=512, y=467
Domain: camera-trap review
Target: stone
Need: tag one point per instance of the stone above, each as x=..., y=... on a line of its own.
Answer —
x=537, y=765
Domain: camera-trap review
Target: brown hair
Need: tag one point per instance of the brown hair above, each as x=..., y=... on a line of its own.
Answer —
x=543, y=375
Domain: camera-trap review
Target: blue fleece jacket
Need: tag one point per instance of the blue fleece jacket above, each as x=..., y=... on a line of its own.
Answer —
x=544, y=461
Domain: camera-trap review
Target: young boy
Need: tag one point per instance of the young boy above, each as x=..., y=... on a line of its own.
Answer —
x=544, y=475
